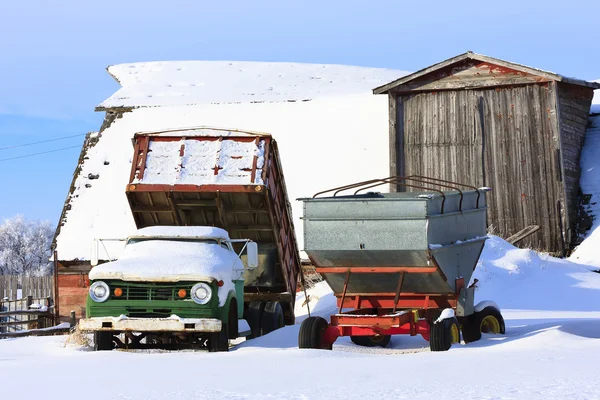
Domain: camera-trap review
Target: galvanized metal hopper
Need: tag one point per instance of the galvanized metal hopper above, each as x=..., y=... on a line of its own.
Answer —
x=431, y=238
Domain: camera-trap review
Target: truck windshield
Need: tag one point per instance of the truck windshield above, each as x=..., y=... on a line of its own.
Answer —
x=138, y=240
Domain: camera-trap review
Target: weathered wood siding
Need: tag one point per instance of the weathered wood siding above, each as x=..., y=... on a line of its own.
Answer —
x=523, y=163
x=441, y=136
x=573, y=108
x=471, y=74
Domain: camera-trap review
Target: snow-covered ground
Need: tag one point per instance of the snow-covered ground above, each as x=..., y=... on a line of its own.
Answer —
x=550, y=351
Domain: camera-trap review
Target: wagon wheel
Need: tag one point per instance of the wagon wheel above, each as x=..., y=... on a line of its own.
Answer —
x=488, y=320
x=371, y=341
x=103, y=340
x=443, y=334
x=311, y=334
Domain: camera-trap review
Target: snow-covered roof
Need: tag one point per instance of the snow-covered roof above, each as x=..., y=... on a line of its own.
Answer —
x=206, y=232
x=174, y=83
x=339, y=137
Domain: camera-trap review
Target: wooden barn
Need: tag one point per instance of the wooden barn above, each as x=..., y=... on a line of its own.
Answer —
x=489, y=122
x=308, y=108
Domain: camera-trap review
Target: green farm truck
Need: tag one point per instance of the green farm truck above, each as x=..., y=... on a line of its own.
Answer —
x=171, y=287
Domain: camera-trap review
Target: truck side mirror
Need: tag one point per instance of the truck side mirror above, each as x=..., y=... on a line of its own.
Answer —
x=94, y=256
x=252, y=249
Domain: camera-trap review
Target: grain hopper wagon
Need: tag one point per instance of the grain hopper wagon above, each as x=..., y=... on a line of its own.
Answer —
x=399, y=263
x=227, y=179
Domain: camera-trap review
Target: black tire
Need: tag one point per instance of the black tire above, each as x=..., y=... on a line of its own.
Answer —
x=272, y=317
x=219, y=341
x=488, y=320
x=371, y=341
x=311, y=334
x=470, y=329
x=253, y=315
x=232, y=323
x=443, y=334
x=103, y=341
x=361, y=341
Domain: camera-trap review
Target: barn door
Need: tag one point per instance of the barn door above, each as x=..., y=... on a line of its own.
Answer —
x=441, y=137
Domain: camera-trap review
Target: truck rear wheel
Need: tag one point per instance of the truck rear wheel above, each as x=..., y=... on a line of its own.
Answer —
x=272, y=317
x=253, y=314
x=371, y=341
x=443, y=334
x=312, y=332
x=103, y=340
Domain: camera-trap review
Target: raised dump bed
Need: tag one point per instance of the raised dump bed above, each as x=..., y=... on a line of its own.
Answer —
x=228, y=179
x=398, y=260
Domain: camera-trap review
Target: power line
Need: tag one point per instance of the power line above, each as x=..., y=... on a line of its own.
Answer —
x=43, y=152
x=42, y=141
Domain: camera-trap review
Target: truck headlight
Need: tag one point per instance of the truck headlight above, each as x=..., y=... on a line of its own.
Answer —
x=201, y=293
x=99, y=291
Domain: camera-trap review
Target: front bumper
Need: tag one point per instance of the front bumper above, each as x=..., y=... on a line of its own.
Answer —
x=173, y=324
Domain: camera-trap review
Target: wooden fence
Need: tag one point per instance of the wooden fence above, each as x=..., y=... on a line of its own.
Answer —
x=26, y=305
x=15, y=287
x=25, y=314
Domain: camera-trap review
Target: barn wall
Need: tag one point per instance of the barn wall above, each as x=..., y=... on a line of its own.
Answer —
x=523, y=163
x=73, y=286
x=442, y=137
x=573, y=108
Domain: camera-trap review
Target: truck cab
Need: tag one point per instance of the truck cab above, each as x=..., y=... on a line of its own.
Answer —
x=172, y=287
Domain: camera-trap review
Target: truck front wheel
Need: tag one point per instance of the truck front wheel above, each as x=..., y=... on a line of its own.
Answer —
x=219, y=341
x=103, y=340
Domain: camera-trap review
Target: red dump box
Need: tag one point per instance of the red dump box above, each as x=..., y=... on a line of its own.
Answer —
x=232, y=180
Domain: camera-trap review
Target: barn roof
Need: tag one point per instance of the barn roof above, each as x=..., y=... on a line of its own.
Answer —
x=176, y=83
x=546, y=75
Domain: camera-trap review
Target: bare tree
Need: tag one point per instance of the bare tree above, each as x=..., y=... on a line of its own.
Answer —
x=25, y=246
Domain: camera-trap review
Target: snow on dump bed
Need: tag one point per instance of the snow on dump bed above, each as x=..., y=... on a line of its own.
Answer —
x=194, y=162
x=173, y=83
x=158, y=260
x=209, y=232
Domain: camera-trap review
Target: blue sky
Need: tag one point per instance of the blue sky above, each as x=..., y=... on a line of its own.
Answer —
x=54, y=55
